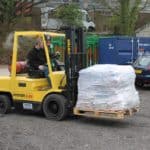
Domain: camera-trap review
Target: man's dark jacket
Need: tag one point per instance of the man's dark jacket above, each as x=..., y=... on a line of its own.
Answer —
x=35, y=58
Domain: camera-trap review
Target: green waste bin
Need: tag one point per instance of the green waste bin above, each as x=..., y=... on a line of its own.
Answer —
x=57, y=45
x=91, y=41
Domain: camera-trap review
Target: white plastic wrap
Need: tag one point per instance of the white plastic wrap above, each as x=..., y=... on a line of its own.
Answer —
x=107, y=87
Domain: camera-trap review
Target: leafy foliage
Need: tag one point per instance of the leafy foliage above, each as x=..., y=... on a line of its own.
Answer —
x=7, y=9
x=125, y=15
x=69, y=14
x=127, y=19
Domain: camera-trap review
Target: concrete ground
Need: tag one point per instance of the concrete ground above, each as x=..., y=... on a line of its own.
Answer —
x=28, y=131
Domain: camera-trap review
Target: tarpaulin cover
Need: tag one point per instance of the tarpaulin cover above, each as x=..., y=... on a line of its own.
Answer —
x=107, y=87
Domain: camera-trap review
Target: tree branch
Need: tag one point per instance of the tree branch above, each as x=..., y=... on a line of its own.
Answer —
x=145, y=5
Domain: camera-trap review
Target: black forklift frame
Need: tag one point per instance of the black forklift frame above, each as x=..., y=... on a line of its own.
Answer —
x=75, y=60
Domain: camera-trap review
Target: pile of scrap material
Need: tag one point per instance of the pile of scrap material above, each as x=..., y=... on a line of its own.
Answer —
x=107, y=87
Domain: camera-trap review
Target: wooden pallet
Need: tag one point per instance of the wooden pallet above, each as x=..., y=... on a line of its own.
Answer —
x=108, y=114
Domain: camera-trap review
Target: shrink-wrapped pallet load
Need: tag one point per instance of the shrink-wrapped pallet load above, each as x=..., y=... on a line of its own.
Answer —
x=107, y=87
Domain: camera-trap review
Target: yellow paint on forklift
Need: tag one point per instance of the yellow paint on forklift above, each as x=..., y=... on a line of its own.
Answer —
x=5, y=83
x=68, y=45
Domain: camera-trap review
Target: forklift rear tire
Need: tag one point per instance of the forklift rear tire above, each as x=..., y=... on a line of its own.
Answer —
x=55, y=107
x=5, y=104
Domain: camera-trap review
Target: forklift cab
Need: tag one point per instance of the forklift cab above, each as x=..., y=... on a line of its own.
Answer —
x=24, y=42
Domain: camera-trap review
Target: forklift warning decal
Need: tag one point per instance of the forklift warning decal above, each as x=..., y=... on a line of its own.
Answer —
x=28, y=96
x=19, y=95
x=68, y=45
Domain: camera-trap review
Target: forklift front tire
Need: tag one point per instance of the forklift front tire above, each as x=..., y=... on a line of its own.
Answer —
x=55, y=107
x=5, y=104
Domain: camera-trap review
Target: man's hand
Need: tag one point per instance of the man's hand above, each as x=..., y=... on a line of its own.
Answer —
x=41, y=67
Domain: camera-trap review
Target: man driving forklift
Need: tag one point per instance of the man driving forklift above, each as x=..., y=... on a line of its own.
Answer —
x=36, y=61
x=36, y=58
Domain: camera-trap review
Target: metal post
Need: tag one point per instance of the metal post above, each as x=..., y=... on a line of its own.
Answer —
x=132, y=50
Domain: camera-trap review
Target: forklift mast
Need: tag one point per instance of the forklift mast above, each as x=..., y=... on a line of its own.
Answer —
x=75, y=60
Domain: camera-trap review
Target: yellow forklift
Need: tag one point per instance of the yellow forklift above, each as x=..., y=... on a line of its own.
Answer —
x=55, y=94
x=31, y=91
